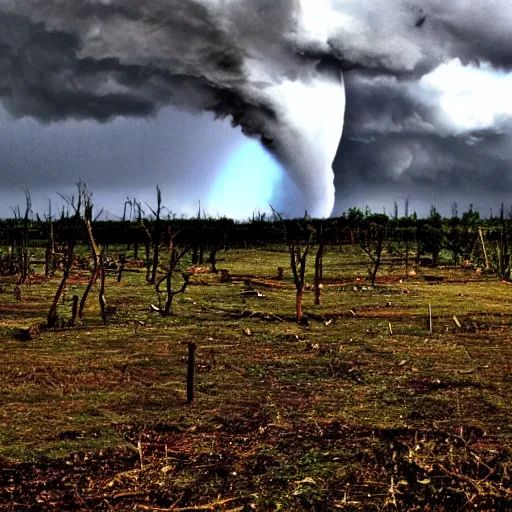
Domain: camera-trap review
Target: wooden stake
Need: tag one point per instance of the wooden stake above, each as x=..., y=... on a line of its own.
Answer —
x=480, y=232
x=101, y=295
x=456, y=320
x=390, y=329
x=430, y=317
x=120, y=267
x=141, y=454
x=190, y=372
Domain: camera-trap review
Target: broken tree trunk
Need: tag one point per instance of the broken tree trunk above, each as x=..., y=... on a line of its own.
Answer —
x=53, y=318
x=95, y=268
x=157, y=233
x=319, y=272
x=298, y=305
x=120, y=268
x=175, y=257
x=484, y=249
x=101, y=295
x=50, y=263
x=213, y=259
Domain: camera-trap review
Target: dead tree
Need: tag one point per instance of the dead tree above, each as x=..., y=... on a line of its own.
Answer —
x=198, y=245
x=371, y=241
x=98, y=270
x=299, y=241
x=24, y=223
x=148, y=243
x=217, y=239
x=50, y=258
x=175, y=256
x=156, y=235
x=139, y=222
x=319, y=264
x=95, y=253
x=120, y=267
x=71, y=237
x=213, y=258
x=101, y=293
x=298, y=263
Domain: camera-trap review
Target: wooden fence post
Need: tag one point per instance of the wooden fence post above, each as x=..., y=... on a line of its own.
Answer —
x=190, y=372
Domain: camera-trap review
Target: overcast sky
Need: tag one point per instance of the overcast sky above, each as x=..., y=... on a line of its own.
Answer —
x=241, y=103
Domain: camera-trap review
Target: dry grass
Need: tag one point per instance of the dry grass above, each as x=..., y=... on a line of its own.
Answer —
x=338, y=416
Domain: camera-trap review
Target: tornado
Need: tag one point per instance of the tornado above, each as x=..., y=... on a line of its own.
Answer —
x=243, y=60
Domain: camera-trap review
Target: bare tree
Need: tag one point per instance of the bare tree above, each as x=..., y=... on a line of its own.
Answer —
x=319, y=264
x=156, y=234
x=175, y=256
x=299, y=239
x=23, y=255
x=72, y=228
x=50, y=258
x=101, y=293
x=95, y=271
x=138, y=207
x=371, y=240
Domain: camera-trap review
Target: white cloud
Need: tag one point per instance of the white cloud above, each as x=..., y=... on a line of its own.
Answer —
x=471, y=97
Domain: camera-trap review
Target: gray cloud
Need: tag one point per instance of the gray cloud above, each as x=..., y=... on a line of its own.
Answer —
x=413, y=36
x=107, y=60
x=398, y=143
x=99, y=60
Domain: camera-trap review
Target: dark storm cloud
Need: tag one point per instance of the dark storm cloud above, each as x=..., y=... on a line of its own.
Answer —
x=101, y=59
x=447, y=162
x=398, y=141
x=45, y=76
x=384, y=104
x=60, y=61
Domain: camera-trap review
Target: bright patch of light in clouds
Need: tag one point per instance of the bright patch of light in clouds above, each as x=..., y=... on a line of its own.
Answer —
x=472, y=97
x=320, y=18
x=246, y=184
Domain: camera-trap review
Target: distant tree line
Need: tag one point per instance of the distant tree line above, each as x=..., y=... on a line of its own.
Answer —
x=464, y=238
x=160, y=242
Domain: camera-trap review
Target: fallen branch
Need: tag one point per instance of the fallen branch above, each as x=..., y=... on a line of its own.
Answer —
x=245, y=313
x=118, y=496
x=208, y=506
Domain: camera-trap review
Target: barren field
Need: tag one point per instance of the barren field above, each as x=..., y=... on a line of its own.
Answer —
x=361, y=409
